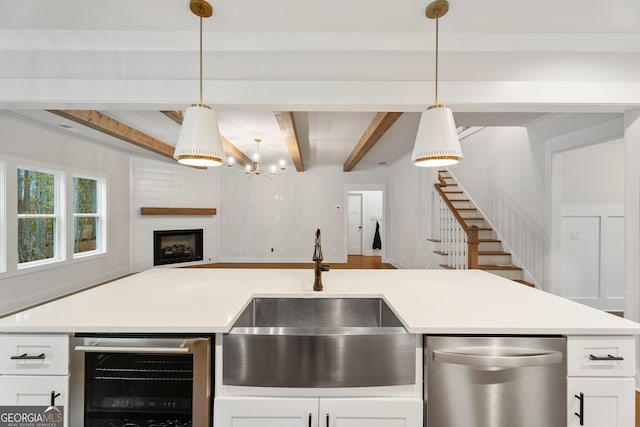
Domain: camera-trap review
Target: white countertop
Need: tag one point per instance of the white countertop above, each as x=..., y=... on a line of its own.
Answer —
x=209, y=300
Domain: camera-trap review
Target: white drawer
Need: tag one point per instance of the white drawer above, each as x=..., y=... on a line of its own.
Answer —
x=601, y=356
x=34, y=354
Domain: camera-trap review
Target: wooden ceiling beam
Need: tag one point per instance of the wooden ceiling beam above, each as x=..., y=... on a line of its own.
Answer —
x=105, y=124
x=380, y=124
x=230, y=150
x=288, y=127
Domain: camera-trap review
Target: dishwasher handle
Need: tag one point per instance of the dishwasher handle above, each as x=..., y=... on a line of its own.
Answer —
x=493, y=360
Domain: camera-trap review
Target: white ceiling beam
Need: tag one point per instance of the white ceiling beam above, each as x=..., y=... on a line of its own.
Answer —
x=182, y=41
x=374, y=96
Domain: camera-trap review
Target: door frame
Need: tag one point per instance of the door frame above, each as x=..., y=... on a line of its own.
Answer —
x=383, y=226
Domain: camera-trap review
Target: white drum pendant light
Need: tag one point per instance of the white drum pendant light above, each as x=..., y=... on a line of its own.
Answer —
x=199, y=143
x=437, y=141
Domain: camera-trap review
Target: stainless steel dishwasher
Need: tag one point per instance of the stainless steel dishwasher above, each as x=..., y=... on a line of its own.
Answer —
x=474, y=381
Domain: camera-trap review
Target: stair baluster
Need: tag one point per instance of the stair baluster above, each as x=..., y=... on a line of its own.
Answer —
x=455, y=239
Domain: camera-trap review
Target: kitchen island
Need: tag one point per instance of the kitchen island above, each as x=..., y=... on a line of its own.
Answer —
x=209, y=300
x=426, y=302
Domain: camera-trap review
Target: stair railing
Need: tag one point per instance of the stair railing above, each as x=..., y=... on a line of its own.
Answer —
x=458, y=240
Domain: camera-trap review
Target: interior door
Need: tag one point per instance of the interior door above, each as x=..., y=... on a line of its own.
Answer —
x=355, y=224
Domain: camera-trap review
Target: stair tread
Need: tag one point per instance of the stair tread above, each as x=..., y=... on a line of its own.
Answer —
x=447, y=267
x=489, y=241
x=440, y=253
x=524, y=282
x=468, y=209
x=498, y=267
x=435, y=240
x=452, y=192
x=493, y=253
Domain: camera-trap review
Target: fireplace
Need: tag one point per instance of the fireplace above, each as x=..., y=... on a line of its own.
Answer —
x=174, y=246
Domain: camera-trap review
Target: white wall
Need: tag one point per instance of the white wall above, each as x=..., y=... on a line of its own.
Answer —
x=632, y=215
x=165, y=184
x=591, y=267
x=594, y=175
x=258, y=214
x=409, y=215
x=25, y=142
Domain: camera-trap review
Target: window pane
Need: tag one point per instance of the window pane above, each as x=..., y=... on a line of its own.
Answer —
x=85, y=234
x=85, y=195
x=35, y=239
x=36, y=192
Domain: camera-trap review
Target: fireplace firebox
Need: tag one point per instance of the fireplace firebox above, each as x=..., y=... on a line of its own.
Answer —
x=175, y=246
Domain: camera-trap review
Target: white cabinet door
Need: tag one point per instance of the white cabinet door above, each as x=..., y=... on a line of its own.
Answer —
x=370, y=412
x=27, y=390
x=265, y=412
x=607, y=402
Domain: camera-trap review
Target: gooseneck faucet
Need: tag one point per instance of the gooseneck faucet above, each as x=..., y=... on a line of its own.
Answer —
x=319, y=267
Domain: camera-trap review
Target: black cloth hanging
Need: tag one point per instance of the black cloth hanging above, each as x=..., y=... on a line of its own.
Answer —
x=377, y=243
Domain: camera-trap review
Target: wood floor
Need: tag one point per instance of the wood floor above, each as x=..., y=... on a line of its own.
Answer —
x=353, y=262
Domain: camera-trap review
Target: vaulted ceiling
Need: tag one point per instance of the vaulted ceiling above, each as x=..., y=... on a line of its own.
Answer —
x=334, y=64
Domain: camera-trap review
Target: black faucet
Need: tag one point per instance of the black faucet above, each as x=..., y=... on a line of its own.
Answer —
x=319, y=267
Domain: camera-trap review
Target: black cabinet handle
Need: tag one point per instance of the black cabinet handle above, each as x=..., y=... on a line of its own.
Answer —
x=580, y=414
x=309, y=419
x=54, y=395
x=25, y=356
x=327, y=420
x=607, y=357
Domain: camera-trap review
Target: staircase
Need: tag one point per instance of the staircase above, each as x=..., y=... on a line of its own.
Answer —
x=465, y=238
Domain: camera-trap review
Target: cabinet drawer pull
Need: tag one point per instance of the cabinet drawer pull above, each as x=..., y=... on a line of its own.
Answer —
x=607, y=357
x=25, y=356
x=580, y=414
x=310, y=419
x=327, y=420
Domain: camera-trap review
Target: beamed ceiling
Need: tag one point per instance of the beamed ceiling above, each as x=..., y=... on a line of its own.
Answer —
x=322, y=84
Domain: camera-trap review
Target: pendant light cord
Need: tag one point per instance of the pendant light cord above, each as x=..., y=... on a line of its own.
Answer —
x=437, y=21
x=201, y=104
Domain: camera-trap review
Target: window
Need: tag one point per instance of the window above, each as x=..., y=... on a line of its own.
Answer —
x=37, y=216
x=87, y=235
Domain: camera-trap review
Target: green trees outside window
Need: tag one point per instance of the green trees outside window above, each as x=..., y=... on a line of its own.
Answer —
x=36, y=216
x=48, y=202
x=85, y=215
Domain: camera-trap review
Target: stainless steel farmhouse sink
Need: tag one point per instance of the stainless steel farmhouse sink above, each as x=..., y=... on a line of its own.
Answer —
x=318, y=342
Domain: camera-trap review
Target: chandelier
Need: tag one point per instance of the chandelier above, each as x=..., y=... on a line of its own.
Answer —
x=253, y=169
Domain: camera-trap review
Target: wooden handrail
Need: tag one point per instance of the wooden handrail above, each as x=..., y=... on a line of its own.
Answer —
x=472, y=231
x=451, y=207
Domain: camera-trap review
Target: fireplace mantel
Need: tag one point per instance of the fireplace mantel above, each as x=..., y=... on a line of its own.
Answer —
x=177, y=211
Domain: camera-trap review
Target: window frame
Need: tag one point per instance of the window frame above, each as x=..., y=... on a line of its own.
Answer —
x=59, y=241
x=101, y=215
